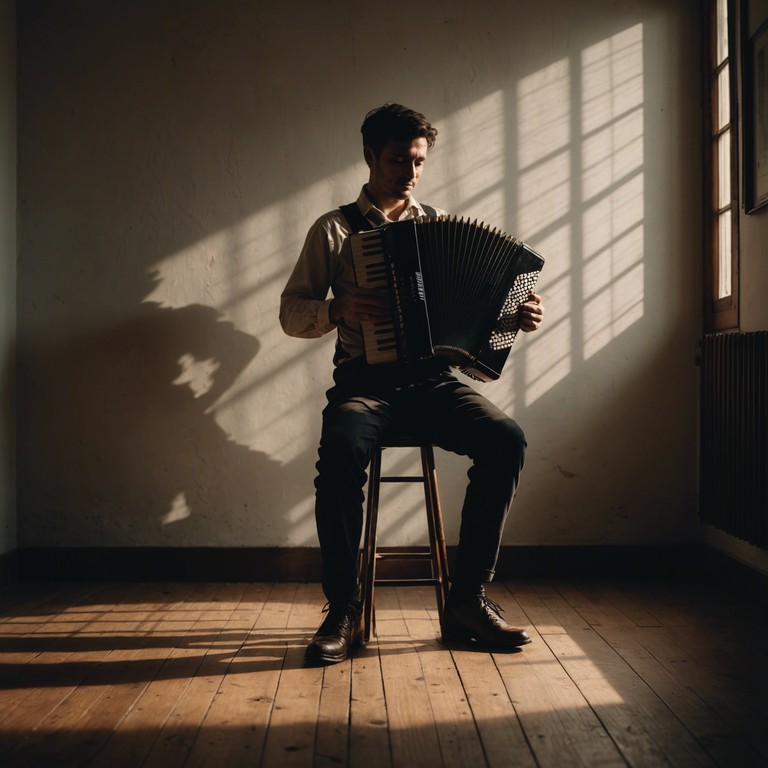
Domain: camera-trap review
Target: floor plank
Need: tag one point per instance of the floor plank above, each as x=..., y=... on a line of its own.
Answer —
x=413, y=734
x=138, y=732
x=111, y=681
x=165, y=675
x=293, y=725
x=369, y=745
x=457, y=733
x=43, y=665
x=241, y=691
x=637, y=720
x=722, y=742
x=560, y=725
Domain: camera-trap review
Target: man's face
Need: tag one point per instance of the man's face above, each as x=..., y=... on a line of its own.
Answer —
x=397, y=169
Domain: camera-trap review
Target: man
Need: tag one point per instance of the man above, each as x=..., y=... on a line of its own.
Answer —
x=366, y=401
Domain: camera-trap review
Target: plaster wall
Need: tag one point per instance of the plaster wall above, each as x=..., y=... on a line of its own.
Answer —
x=171, y=163
x=753, y=230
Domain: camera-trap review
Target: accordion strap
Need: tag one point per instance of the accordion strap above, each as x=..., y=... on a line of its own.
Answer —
x=358, y=222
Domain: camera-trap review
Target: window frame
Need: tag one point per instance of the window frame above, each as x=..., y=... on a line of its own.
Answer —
x=720, y=313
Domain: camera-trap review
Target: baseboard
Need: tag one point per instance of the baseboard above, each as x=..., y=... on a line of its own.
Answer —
x=9, y=567
x=220, y=564
x=302, y=564
x=595, y=561
x=724, y=573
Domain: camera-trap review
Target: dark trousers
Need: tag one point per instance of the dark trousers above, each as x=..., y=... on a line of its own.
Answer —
x=363, y=405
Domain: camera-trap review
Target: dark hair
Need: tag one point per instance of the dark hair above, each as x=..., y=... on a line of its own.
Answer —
x=394, y=122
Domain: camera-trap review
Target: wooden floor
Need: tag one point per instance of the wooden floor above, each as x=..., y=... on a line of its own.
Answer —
x=166, y=675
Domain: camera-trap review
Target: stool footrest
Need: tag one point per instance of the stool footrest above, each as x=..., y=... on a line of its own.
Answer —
x=402, y=479
x=406, y=582
x=427, y=557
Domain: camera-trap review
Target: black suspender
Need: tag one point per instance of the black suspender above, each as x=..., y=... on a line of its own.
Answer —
x=358, y=222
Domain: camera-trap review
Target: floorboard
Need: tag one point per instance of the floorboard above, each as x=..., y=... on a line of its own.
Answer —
x=193, y=675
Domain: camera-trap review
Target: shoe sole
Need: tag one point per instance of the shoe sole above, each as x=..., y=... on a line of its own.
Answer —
x=466, y=640
x=456, y=635
x=313, y=659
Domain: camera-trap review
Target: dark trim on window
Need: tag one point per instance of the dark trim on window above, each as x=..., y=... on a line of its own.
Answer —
x=720, y=313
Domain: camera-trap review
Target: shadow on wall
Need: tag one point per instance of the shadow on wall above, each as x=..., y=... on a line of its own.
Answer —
x=140, y=388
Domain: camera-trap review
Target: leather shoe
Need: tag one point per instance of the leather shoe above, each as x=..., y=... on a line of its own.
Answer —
x=340, y=632
x=479, y=619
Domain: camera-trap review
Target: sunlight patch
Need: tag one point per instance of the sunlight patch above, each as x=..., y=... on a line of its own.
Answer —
x=196, y=374
x=179, y=510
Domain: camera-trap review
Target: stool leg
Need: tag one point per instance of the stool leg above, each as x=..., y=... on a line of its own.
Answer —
x=368, y=565
x=435, y=524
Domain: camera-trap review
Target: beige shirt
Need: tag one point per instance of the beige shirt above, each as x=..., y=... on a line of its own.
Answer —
x=325, y=263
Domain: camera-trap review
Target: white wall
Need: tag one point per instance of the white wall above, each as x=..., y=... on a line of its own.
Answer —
x=7, y=275
x=171, y=163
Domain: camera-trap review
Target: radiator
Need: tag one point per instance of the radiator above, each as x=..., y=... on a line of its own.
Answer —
x=734, y=434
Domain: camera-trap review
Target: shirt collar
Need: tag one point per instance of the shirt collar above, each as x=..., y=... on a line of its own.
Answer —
x=372, y=213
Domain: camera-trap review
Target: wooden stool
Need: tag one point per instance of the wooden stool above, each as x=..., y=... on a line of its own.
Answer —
x=435, y=553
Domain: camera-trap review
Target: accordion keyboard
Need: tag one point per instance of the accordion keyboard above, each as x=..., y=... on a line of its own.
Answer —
x=379, y=337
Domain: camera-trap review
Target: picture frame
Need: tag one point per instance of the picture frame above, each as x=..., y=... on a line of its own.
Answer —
x=755, y=116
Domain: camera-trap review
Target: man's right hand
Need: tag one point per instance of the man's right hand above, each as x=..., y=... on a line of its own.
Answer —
x=358, y=305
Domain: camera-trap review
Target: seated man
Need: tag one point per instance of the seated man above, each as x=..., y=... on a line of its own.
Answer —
x=366, y=401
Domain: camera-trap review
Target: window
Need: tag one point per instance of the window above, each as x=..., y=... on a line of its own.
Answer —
x=721, y=170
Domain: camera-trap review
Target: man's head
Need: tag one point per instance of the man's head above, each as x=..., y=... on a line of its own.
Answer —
x=395, y=144
x=394, y=122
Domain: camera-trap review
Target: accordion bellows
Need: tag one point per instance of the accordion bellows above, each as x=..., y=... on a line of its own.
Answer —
x=456, y=287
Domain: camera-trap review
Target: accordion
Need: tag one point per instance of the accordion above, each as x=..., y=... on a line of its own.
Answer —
x=455, y=288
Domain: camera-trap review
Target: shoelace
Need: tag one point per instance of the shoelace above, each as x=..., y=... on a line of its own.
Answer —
x=494, y=606
x=340, y=614
x=349, y=608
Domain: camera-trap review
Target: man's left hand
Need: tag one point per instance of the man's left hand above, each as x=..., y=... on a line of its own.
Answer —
x=531, y=313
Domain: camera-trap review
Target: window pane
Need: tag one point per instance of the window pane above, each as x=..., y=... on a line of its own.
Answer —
x=724, y=255
x=723, y=99
x=722, y=219
x=722, y=31
x=724, y=170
